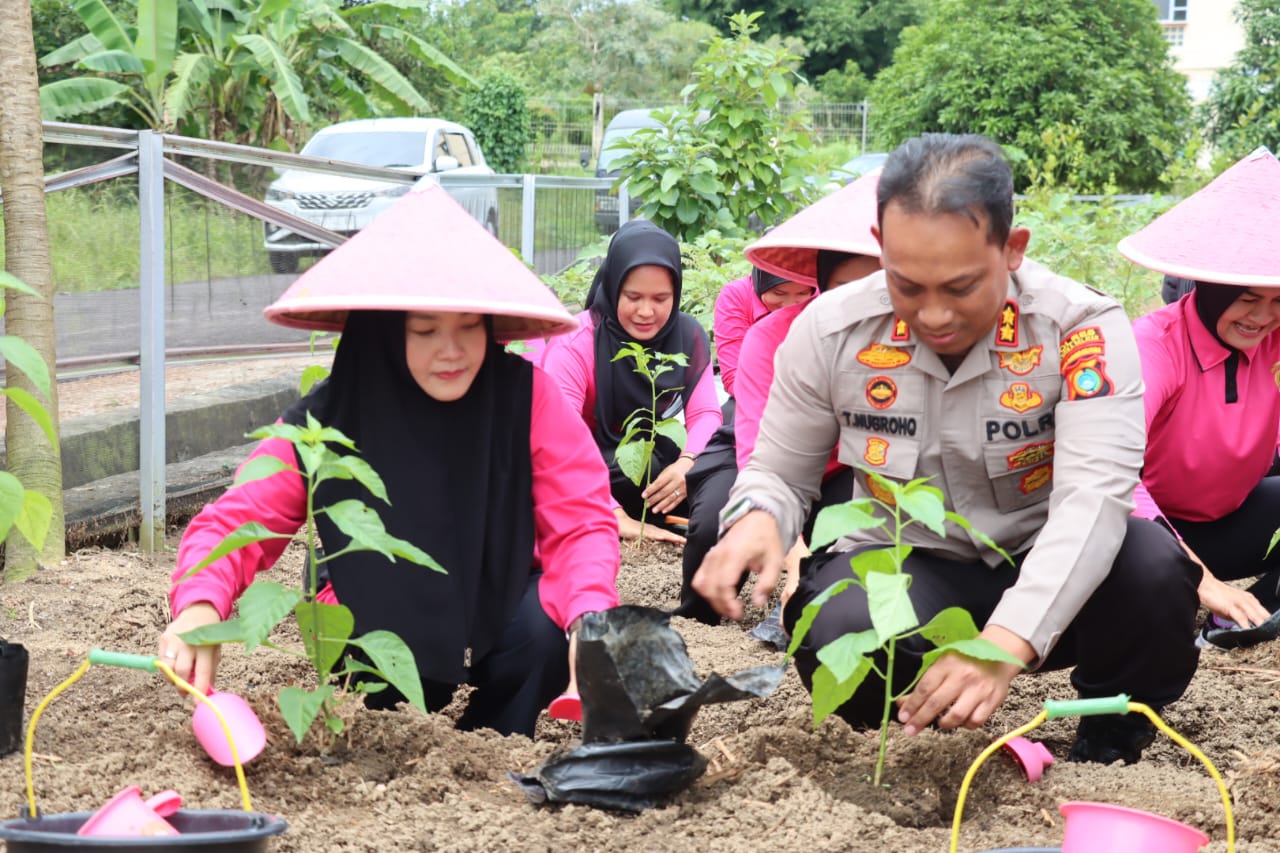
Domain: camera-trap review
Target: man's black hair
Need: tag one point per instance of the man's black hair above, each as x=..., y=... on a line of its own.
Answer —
x=950, y=173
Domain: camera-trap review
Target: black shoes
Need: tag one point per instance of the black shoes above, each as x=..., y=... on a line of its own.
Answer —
x=1108, y=738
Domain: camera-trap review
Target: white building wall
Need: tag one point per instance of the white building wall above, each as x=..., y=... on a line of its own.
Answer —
x=1207, y=41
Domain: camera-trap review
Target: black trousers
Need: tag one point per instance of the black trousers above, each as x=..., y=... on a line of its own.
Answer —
x=1134, y=635
x=1235, y=546
x=527, y=668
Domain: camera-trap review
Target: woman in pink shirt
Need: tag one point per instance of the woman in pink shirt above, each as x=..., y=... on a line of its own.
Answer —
x=1210, y=365
x=635, y=298
x=740, y=304
x=486, y=468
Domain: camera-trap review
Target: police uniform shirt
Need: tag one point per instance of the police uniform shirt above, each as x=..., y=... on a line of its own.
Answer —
x=1037, y=437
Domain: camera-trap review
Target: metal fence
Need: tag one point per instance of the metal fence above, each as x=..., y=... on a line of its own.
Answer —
x=159, y=253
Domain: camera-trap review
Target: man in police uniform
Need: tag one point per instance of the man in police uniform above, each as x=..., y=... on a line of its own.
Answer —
x=1019, y=393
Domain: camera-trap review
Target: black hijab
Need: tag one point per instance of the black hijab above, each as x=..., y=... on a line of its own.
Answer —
x=763, y=281
x=619, y=389
x=1212, y=300
x=459, y=479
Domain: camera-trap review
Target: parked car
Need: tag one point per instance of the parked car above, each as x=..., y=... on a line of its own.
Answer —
x=612, y=147
x=426, y=146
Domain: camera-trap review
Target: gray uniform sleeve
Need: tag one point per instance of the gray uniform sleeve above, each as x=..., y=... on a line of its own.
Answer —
x=798, y=430
x=1100, y=441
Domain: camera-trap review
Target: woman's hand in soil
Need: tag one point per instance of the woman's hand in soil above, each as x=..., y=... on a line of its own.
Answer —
x=629, y=528
x=752, y=544
x=963, y=692
x=1228, y=602
x=668, y=489
x=196, y=664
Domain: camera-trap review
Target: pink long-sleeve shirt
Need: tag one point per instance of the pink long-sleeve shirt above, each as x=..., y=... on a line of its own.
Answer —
x=756, y=375
x=1204, y=455
x=576, y=534
x=572, y=359
x=737, y=309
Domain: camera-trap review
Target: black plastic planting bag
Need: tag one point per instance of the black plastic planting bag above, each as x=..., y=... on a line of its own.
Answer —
x=639, y=696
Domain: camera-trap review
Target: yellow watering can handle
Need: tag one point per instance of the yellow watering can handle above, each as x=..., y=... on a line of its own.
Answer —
x=1056, y=709
x=129, y=661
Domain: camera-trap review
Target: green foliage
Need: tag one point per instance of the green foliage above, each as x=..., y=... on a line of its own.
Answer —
x=1014, y=70
x=641, y=429
x=29, y=511
x=844, y=85
x=326, y=628
x=497, y=112
x=1243, y=108
x=845, y=662
x=709, y=261
x=834, y=32
x=728, y=156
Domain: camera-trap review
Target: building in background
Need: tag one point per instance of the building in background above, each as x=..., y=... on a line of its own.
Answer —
x=1203, y=37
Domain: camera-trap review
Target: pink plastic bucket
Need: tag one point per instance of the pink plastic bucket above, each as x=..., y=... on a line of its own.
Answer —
x=1032, y=755
x=128, y=814
x=246, y=729
x=1104, y=828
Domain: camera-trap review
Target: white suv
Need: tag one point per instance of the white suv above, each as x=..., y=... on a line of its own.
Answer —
x=426, y=146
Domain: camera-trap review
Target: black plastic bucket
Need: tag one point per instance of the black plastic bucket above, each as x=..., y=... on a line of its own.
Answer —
x=211, y=831
x=13, y=695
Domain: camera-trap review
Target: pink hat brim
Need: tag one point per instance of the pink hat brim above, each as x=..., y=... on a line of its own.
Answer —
x=424, y=253
x=1228, y=232
x=840, y=222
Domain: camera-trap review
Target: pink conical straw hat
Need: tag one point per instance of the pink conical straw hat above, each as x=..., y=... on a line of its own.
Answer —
x=1228, y=232
x=840, y=222
x=424, y=253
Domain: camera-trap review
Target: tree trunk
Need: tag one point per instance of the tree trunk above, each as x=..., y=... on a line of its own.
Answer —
x=26, y=246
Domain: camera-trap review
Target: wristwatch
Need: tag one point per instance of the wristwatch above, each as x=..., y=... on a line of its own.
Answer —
x=734, y=512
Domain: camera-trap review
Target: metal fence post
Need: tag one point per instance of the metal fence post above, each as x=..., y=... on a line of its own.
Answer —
x=151, y=432
x=863, y=149
x=526, y=218
x=624, y=204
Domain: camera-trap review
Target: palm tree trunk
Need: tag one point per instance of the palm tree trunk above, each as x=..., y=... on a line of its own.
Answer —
x=26, y=247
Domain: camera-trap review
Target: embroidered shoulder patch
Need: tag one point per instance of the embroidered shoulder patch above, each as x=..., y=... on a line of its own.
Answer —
x=1007, y=328
x=881, y=392
x=877, y=451
x=1022, y=362
x=883, y=357
x=901, y=331
x=1030, y=454
x=1020, y=397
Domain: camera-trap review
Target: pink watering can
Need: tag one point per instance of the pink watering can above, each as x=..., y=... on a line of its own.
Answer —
x=128, y=814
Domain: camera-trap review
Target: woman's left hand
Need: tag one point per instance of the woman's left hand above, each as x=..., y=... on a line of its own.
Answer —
x=668, y=489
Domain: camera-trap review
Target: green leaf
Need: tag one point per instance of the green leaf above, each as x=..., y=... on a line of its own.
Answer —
x=260, y=468
x=395, y=664
x=72, y=51
x=34, y=519
x=367, y=533
x=310, y=376
x=63, y=99
x=227, y=631
x=982, y=649
x=924, y=504
x=261, y=608
x=191, y=72
x=1275, y=538
x=12, y=501
x=633, y=459
x=23, y=356
x=949, y=626
x=325, y=630
x=243, y=536
x=884, y=560
x=844, y=655
x=36, y=411
x=382, y=73
x=673, y=429
x=11, y=282
x=113, y=62
x=836, y=521
x=103, y=24
x=890, y=605
x=275, y=65
x=299, y=707
x=810, y=612
x=829, y=693
x=353, y=467
x=962, y=522
x=670, y=178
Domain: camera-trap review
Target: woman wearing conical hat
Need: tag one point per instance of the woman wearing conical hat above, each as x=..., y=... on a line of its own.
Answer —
x=486, y=467
x=1211, y=367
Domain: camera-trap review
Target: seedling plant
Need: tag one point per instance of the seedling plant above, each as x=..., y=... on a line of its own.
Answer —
x=847, y=661
x=326, y=628
x=641, y=428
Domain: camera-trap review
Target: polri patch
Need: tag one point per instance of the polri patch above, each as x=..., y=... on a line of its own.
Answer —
x=883, y=357
x=1022, y=362
x=877, y=451
x=1030, y=454
x=881, y=392
x=1036, y=478
x=1020, y=397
